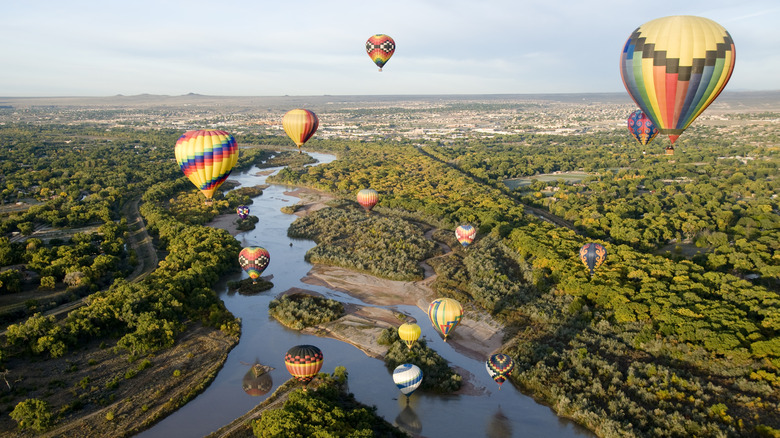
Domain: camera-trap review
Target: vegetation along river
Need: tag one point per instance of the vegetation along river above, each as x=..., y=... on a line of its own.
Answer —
x=484, y=411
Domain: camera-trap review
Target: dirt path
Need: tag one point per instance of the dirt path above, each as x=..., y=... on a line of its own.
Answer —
x=140, y=241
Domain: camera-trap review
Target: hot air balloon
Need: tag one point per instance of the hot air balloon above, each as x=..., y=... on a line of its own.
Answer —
x=407, y=378
x=674, y=67
x=499, y=366
x=409, y=333
x=367, y=198
x=242, y=211
x=257, y=381
x=593, y=255
x=465, y=234
x=641, y=127
x=380, y=48
x=254, y=260
x=445, y=314
x=206, y=158
x=300, y=125
x=303, y=362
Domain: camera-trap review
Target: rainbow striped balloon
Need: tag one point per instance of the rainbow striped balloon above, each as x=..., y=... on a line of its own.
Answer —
x=380, y=48
x=304, y=362
x=367, y=198
x=206, y=158
x=674, y=67
x=407, y=378
x=465, y=234
x=445, y=314
x=300, y=125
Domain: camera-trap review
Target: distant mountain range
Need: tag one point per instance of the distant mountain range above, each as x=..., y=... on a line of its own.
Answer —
x=768, y=100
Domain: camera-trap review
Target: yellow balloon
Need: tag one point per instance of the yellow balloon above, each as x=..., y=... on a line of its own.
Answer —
x=409, y=333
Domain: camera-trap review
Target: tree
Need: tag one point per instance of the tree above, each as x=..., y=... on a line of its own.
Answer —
x=48, y=282
x=32, y=414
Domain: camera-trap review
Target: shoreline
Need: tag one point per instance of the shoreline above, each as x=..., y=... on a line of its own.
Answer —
x=477, y=336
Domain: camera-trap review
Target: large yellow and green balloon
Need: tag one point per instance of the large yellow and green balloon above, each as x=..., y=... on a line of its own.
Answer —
x=445, y=314
x=206, y=158
x=674, y=67
x=300, y=125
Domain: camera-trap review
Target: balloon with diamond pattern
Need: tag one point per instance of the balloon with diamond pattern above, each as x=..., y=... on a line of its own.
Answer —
x=242, y=211
x=499, y=367
x=254, y=260
x=380, y=48
x=674, y=68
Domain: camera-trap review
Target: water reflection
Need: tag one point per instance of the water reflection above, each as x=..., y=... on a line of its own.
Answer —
x=407, y=419
x=257, y=381
x=499, y=425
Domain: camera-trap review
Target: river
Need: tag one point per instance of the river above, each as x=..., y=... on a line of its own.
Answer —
x=489, y=413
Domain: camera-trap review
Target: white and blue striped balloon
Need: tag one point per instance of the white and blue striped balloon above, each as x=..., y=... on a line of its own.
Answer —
x=407, y=378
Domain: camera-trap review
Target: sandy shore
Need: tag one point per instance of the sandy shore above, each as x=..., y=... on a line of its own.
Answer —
x=478, y=335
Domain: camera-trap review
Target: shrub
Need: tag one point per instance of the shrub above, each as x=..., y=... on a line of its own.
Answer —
x=32, y=414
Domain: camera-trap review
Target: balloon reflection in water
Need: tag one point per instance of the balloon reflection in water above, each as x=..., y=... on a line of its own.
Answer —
x=408, y=420
x=257, y=381
x=499, y=425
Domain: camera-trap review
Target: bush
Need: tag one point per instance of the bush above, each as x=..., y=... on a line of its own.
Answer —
x=32, y=414
x=437, y=375
x=299, y=311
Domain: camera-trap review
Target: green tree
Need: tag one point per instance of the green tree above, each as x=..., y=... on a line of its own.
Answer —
x=32, y=414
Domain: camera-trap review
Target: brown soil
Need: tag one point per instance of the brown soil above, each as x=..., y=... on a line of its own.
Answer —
x=174, y=376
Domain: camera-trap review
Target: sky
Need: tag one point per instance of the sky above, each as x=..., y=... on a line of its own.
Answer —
x=312, y=48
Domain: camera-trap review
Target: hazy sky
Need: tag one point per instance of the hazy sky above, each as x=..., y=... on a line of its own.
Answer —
x=306, y=47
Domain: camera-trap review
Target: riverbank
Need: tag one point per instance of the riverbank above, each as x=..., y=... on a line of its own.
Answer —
x=133, y=399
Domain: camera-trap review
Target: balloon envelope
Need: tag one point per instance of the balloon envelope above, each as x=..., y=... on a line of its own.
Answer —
x=409, y=333
x=593, y=255
x=367, y=198
x=303, y=362
x=242, y=211
x=465, y=234
x=499, y=367
x=674, y=67
x=380, y=48
x=206, y=158
x=641, y=127
x=254, y=260
x=407, y=378
x=300, y=125
x=445, y=314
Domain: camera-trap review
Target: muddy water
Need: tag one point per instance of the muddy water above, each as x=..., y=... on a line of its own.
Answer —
x=488, y=412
